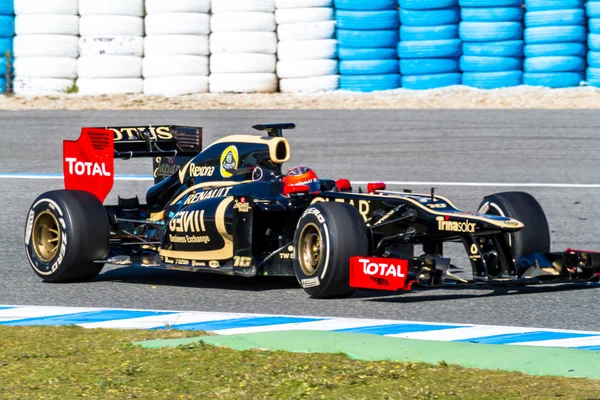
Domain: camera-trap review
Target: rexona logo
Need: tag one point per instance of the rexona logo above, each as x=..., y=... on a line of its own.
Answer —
x=455, y=226
x=229, y=161
x=86, y=168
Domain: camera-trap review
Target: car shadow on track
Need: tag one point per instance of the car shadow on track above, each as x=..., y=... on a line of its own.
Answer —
x=146, y=276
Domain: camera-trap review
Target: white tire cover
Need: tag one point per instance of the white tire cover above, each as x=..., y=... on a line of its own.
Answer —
x=243, y=22
x=132, y=8
x=306, y=69
x=243, y=83
x=242, y=63
x=161, y=45
x=297, y=15
x=178, y=24
x=219, y=6
x=64, y=7
x=177, y=6
x=243, y=42
x=303, y=3
x=159, y=66
x=111, y=25
x=111, y=46
x=327, y=83
x=40, y=86
x=176, y=85
x=307, y=31
x=307, y=50
x=47, y=24
x=110, y=86
x=109, y=67
x=45, y=67
x=46, y=46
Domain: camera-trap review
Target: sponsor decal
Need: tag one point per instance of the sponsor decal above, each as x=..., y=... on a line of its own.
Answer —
x=229, y=161
x=286, y=256
x=29, y=227
x=484, y=208
x=310, y=282
x=198, y=263
x=241, y=207
x=189, y=239
x=437, y=205
x=474, y=250
x=214, y=264
x=363, y=206
x=378, y=273
x=207, y=194
x=165, y=169
x=511, y=223
x=316, y=213
x=455, y=226
x=132, y=133
x=386, y=216
x=180, y=261
x=381, y=269
x=201, y=170
x=239, y=261
x=86, y=168
x=188, y=221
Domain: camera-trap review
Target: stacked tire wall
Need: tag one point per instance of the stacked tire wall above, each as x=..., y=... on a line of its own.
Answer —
x=180, y=47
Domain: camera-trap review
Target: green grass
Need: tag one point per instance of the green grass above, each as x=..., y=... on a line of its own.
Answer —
x=77, y=363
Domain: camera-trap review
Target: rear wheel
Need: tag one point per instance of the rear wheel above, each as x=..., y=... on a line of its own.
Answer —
x=327, y=235
x=65, y=233
x=535, y=236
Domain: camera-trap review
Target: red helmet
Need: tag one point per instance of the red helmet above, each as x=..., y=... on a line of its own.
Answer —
x=302, y=176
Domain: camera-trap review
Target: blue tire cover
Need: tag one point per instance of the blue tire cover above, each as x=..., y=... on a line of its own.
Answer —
x=6, y=44
x=554, y=64
x=369, y=5
x=555, y=18
x=594, y=25
x=593, y=74
x=492, y=14
x=490, y=31
x=593, y=41
x=593, y=59
x=369, y=83
x=368, y=67
x=364, y=20
x=492, y=80
x=425, y=66
x=424, y=82
x=490, y=3
x=543, y=5
x=368, y=39
x=444, y=16
x=439, y=32
x=555, y=49
x=2, y=67
x=592, y=9
x=490, y=64
x=555, y=34
x=430, y=49
x=7, y=26
x=2, y=85
x=7, y=7
x=345, y=53
x=553, y=79
x=507, y=48
x=427, y=4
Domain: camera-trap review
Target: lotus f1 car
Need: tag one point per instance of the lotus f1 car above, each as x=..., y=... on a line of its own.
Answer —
x=228, y=208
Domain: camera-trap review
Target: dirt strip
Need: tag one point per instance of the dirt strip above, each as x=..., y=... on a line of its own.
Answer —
x=455, y=97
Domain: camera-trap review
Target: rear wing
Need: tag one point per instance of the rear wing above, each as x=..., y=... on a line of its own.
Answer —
x=88, y=162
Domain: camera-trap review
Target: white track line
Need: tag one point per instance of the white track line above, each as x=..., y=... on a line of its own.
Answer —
x=463, y=333
x=391, y=183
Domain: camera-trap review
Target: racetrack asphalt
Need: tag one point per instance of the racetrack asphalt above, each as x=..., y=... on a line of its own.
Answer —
x=558, y=147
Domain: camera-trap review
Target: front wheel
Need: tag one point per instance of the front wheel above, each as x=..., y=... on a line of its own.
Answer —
x=66, y=232
x=327, y=235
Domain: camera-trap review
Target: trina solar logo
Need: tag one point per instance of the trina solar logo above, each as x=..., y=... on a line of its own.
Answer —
x=229, y=161
x=455, y=226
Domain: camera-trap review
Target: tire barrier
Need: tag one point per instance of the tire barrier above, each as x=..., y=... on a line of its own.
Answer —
x=243, y=46
x=429, y=47
x=110, y=46
x=555, y=36
x=172, y=48
x=368, y=35
x=176, y=47
x=492, y=35
x=306, y=48
x=7, y=31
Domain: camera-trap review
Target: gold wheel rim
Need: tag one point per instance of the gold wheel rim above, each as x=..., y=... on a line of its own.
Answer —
x=310, y=249
x=46, y=236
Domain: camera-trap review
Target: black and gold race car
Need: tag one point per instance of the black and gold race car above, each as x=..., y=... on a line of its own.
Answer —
x=229, y=208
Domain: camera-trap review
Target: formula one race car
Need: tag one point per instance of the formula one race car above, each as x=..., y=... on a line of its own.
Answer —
x=230, y=209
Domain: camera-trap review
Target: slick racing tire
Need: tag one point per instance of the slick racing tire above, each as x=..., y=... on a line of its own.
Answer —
x=65, y=232
x=535, y=236
x=327, y=235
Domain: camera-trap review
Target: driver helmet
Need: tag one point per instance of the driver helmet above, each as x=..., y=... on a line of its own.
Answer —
x=302, y=176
